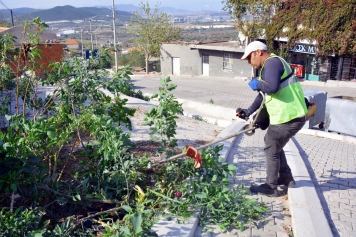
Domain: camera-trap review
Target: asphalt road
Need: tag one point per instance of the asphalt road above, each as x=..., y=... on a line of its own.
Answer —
x=225, y=92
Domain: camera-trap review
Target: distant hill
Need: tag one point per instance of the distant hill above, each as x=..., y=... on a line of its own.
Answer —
x=18, y=11
x=72, y=13
x=174, y=11
x=182, y=9
x=168, y=10
x=126, y=7
x=59, y=13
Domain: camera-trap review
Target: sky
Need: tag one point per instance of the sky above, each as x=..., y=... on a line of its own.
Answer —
x=179, y=4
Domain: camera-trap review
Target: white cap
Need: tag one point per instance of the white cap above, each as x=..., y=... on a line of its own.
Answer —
x=253, y=46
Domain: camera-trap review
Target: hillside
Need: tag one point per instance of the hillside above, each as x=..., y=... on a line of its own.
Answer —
x=6, y=16
x=126, y=7
x=18, y=11
x=72, y=13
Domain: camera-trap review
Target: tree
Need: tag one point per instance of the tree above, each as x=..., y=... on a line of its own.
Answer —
x=330, y=23
x=152, y=28
x=252, y=16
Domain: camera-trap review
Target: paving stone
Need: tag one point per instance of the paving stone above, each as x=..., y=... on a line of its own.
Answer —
x=343, y=182
x=352, y=193
x=234, y=232
x=348, y=207
x=352, y=184
x=326, y=193
x=323, y=179
x=354, y=226
x=343, y=187
x=330, y=186
x=336, y=193
x=273, y=228
x=334, y=215
x=283, y=234
x=346, y=195
x=343, y=224
x=344, y=201
x=348, y=233
x=324, y=188
x=261, y=233
x=347, y=219
x=258, y=176
x=246, y=233
x=221, y=235
x=344, y=212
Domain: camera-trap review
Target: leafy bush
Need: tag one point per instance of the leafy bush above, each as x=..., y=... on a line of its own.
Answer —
x=22, y=222
x=123, y=84
x=162, y=118
x=208, y=191
x=135, y=58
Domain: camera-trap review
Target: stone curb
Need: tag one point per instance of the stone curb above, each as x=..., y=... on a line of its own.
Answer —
x=211, y=113
x=223, y=116
x=308, y=217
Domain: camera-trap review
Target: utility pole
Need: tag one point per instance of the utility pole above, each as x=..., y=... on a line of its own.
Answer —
x=96, y=42
x=113, y=22
x=81, y=40
x=12, y=18
x=91, y=37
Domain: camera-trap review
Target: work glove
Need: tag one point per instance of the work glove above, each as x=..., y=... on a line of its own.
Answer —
x=243, y=113
x=253, y=84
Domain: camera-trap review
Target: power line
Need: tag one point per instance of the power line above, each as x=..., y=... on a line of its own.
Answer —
x=12, y=13
x=4, y=5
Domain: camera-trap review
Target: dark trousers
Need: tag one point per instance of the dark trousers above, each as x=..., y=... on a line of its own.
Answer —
x=275, y=139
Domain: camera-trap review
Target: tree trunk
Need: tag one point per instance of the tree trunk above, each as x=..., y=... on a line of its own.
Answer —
x=146, y=63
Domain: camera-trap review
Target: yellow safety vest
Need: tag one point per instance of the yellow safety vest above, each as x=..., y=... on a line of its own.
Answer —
x=288, y=102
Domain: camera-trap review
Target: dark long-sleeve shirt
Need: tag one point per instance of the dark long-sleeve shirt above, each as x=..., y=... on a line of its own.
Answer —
x=271, y=76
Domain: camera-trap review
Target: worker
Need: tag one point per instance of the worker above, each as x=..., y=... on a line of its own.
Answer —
x=285, y=104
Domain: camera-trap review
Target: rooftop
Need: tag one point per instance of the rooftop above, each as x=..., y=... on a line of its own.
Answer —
x=18, y=32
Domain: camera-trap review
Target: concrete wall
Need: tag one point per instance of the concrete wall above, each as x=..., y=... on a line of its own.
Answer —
x=191, y=62
x=240, y=68
x=74, y=46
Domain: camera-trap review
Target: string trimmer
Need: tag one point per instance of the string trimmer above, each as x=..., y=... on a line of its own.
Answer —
x=193, y=153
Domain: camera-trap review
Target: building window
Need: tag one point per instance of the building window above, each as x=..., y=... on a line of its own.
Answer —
x=227, y=61
x=348, y=69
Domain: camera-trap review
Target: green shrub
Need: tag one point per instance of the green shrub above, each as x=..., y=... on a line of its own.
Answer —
x=22, y=222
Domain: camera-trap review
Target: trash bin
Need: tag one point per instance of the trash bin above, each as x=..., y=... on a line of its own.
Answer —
x=300, y=70
x=294, y=67
x=319, y=98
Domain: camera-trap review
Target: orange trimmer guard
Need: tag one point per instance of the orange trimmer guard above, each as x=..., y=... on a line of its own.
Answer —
x=193, y=153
